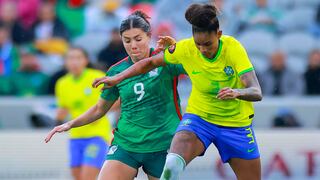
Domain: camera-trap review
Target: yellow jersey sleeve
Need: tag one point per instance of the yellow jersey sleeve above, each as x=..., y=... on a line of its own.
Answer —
x=61, y=100
x=240, y=59
x=175, y=53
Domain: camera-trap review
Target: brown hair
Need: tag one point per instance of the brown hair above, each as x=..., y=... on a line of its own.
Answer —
x=202, y=17
x=138, y=19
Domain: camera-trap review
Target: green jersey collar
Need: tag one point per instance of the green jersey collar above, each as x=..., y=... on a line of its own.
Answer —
x=216, y=56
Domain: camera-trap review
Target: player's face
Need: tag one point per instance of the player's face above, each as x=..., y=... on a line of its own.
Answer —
x=207, y=42
x=76, y=62
x=47, y=12
x=136, y=43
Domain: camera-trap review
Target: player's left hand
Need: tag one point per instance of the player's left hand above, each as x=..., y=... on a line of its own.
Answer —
x=228, y=93
x=165, y=41
x=107, y=81
x=58, y=129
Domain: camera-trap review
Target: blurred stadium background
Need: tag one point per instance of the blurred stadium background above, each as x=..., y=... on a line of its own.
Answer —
x=282, y=38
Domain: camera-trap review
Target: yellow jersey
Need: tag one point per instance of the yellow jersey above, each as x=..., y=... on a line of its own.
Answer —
x=208, y=76
x=77, y=96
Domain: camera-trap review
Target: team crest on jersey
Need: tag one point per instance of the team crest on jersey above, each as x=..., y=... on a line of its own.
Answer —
x=87, y=91
x=228, y=70
x=153, y=72
x=172, y=48
x=92, y=150
x=186, y=122
x=112, y=150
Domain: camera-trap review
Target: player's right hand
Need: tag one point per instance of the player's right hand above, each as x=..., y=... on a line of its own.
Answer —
x=164, y=42
x=59, y=129
x=107, y=81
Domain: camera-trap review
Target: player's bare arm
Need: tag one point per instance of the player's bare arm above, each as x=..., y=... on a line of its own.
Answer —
x=93, y=114
x=251, y=92
x=140, y=67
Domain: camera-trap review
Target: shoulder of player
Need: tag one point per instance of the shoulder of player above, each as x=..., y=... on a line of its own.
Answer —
x=229, y=41
x=181, y=46
x=186, y=41
x=119, y=65
x=170, y=67
x=64, y=80
x=95, y=72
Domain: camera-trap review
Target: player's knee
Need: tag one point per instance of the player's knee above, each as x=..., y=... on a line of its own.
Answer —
x=175, y=163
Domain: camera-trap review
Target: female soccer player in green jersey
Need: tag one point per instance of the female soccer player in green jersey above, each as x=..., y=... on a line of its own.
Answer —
x=150, y=111
x=220, y=109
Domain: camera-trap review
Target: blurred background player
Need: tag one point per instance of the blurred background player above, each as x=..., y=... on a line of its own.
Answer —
x=150, y=109
x=88, y=144
x=219, y=110
x=295, y=33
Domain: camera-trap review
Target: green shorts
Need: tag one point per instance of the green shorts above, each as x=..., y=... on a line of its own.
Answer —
x=151, y=163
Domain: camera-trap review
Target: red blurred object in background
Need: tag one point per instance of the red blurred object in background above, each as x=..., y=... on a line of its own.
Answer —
x=164, y=29
x=145, y=7
x=76, y=3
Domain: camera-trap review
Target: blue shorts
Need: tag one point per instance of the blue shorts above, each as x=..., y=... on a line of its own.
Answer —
x=87, y=151
x=231, y=142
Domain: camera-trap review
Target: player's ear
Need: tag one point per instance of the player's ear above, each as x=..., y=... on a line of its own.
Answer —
x=219, y=34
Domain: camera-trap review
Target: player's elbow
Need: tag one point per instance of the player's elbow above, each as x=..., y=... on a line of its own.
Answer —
x=158, y=60
x=259, y=95
x=99, y=111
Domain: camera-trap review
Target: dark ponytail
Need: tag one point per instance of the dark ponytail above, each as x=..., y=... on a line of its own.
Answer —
x=138, y=19
x=202, y=17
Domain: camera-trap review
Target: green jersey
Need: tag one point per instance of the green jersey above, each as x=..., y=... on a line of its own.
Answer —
x=150, y=110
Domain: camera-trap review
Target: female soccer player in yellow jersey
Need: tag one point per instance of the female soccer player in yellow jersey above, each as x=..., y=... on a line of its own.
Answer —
x=220, y=109
x=88, y=144
x=150, y=111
